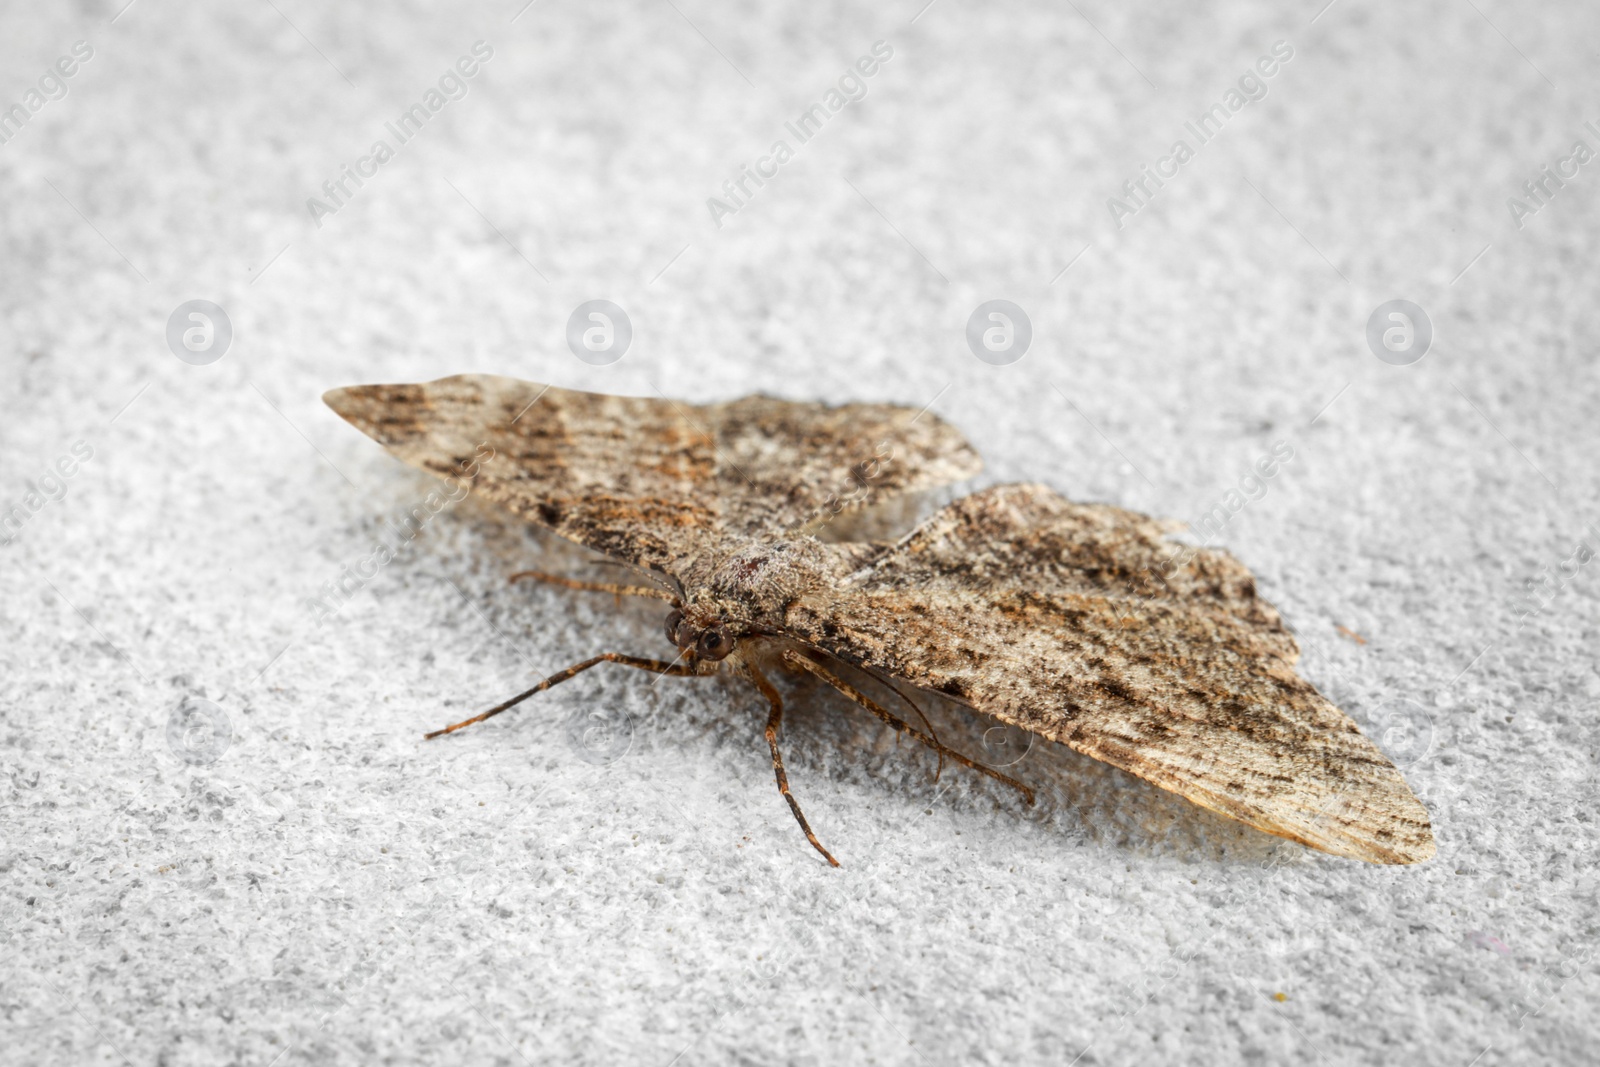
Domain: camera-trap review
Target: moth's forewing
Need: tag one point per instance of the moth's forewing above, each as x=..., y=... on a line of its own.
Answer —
x=1083, y=624
x=661, y=483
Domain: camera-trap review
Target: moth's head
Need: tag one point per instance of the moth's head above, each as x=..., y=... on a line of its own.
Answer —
x=701, y=636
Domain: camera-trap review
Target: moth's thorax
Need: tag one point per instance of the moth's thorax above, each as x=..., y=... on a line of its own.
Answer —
x=749, y=590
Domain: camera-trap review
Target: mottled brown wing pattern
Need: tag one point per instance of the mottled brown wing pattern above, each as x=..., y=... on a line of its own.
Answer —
x=1045, y=614
x=626, y=476
x=657, y=482
x=795, y=465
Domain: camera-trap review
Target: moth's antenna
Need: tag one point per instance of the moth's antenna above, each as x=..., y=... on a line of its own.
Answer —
x=664, y=577
x=913, y=706
x=651, y=574
x=683, y=594
x=655, y=592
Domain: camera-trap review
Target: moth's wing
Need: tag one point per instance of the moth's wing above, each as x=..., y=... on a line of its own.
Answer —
x=1083, y=624
x=787, y=466
x=653, y=481
x=627, y=476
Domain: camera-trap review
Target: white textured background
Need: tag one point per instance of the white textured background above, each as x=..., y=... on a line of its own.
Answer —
x=333, y=890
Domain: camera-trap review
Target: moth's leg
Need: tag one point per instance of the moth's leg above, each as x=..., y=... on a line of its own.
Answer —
x=795, y=659
x=596, y=587
x=657, y=665
x=774, y=720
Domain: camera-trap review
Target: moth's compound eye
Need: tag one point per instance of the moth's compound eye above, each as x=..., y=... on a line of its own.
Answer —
x=715, y=643
x=673, y=620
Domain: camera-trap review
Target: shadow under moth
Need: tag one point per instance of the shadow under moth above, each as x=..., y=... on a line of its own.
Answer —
x=1082, y=623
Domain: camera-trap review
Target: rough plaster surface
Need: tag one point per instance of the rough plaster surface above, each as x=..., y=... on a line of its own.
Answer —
x=333, y=890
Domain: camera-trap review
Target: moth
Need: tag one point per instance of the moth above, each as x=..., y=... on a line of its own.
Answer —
x=1082, y=623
